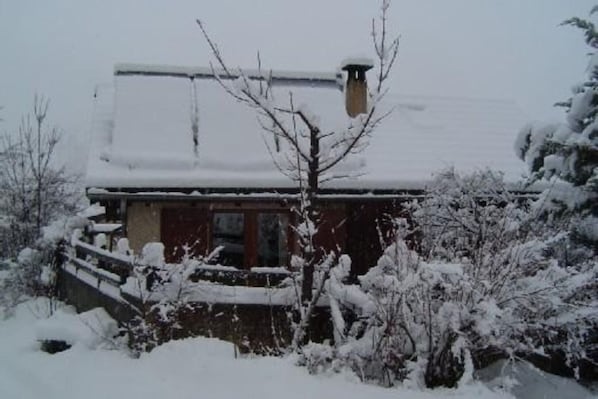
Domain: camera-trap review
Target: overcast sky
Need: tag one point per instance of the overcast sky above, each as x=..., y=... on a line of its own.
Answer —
x=507, y=49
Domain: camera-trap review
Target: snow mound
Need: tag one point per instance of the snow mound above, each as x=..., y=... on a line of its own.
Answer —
x=206, y=348
x=525, y=381
x=93, y=328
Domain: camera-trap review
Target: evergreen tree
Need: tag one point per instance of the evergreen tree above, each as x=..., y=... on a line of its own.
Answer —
x=567, y=153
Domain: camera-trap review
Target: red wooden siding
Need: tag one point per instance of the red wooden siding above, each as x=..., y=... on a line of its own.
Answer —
x=184, y=227
x=366, y=222
x=353, y=228
x=332, y=231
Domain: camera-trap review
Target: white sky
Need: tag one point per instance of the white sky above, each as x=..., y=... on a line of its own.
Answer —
x=510, y=49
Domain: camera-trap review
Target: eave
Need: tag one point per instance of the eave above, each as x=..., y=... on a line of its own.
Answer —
x=244, y=194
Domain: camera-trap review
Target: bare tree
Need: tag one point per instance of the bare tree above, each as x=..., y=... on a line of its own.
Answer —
x=304, y=151
x=34, y=187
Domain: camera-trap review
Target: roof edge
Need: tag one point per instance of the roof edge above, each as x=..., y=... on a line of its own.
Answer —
x=98, y=194
x=322, y=79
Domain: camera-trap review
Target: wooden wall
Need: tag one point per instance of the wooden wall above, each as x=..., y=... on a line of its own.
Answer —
x=184, y=227
x=352, y=227
x=369, y=224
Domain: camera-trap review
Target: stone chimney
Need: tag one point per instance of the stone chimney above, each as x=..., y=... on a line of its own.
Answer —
x=356, y=95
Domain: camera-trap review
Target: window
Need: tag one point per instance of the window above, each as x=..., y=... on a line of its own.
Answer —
x=272, y=239
x=228, y=231
x=251, y=238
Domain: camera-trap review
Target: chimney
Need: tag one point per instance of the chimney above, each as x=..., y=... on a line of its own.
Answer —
x=356, y=95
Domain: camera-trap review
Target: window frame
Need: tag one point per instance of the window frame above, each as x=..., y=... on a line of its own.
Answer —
x=244, y=233
x=251, y=234
x=289, y=241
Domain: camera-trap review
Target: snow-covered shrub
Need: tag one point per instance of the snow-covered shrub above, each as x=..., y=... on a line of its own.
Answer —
x=513, y=293
x=34, y=271
x=317, y=358
x=22, y=278
x=142, y=336
x=406, y=311
x=158, y=319
x=485, y=286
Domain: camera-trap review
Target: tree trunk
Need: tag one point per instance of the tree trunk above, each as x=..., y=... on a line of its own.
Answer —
x=310, y=212
x=38, y=176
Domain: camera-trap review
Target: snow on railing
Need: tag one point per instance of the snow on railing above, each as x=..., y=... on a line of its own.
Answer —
x=207, y=283
x=228, y=275
x=104, y=281
x=99, y=274
x=103, y=254
x=115, y=268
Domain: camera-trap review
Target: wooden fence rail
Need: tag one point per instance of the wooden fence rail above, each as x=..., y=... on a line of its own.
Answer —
x=115, y=268
x=100, y=274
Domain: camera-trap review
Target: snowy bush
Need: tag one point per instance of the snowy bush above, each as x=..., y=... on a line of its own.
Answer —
x=158, y=320
x=34, y=271
x=485, y=286
x=32, y=274
x=405, y=314
x=515, y=294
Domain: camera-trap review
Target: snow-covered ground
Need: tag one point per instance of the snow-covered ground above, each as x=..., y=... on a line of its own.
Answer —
x=191, y=368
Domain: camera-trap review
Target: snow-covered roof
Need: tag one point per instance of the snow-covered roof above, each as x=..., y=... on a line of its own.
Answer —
x=329, y=79
x=142, y=134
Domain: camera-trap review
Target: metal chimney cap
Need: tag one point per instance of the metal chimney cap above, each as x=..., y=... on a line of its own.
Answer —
x=357, y=63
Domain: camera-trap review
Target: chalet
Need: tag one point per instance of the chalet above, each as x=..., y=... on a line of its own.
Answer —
x=175, y=159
